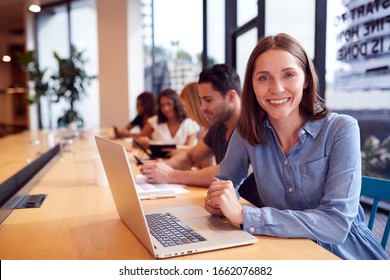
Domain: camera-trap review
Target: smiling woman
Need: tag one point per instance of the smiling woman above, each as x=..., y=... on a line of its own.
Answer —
x=278, y=85
x=314, y=154
x=271, y=80
x=170, y=125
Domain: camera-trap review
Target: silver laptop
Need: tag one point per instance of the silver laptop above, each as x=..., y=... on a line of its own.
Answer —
x=194, y=229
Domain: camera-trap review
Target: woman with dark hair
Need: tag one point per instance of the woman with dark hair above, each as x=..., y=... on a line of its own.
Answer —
x=306, y=160
x=146, y=108
x=170, y=125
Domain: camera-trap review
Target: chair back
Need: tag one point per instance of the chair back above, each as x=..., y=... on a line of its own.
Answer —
x=379, y=190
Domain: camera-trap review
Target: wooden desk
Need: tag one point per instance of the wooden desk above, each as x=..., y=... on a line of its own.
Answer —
x=18, y=150
x=78, y=220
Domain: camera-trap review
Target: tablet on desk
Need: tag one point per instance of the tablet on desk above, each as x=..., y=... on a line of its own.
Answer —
x=161, y=150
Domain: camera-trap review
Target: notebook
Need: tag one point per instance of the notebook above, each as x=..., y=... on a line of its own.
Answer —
x=201, y=231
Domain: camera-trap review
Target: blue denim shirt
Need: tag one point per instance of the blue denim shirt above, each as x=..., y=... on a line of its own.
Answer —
x=312, y=192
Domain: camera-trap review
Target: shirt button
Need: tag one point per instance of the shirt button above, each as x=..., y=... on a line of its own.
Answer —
x=290, y=190
x=303, y=131
x=286, y=162
x=252, y=230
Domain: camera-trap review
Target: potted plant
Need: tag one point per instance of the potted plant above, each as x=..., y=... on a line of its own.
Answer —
x=37, y=87
x=376, y=157
x=69, y=85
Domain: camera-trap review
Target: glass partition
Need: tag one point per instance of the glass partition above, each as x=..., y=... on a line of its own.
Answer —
x=49, y=40
x=357, y=75
x=295, y=18
x=245, y=45
x=173, y=43
x=246, y=10
x=83, y=35
x=215, y=31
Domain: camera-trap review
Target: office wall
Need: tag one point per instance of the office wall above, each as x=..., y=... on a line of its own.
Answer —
x=120, y=60
x=113, y=57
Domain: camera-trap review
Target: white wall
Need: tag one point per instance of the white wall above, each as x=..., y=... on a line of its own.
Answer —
x=120, y=56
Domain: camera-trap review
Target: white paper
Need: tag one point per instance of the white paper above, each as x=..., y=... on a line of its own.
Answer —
x=152, y=191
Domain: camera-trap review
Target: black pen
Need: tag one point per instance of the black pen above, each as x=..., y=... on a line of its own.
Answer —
x=139, y=161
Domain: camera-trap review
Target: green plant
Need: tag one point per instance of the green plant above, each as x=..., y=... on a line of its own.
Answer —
x=37, y=86
x=31, y=66
x=69, y=85
x=376, y=157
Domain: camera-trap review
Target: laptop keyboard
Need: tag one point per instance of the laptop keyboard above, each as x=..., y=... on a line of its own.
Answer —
x=170, y=231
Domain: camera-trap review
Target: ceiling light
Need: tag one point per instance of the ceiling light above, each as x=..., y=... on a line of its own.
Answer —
x=35, y=6
x=6, y=58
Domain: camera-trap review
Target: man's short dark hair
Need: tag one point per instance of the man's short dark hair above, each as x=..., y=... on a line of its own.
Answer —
x=222, y=77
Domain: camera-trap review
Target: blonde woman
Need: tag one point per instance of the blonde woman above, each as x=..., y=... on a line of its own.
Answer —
x=190, y=101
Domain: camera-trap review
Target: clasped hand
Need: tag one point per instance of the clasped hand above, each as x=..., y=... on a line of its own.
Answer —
x=221, y=200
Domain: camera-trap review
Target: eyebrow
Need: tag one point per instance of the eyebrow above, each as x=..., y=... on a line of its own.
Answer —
x=283, y=70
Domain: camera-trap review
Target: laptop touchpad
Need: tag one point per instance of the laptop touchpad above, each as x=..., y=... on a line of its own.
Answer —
x=210, y=222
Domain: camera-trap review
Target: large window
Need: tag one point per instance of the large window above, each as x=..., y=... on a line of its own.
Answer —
x=48, y=42
x=172, y=43
x=244, y=24
x=77, y=23
x=246, y=10
x=244, y=46
x=84, y=37
x=248, y=20
x=358, y=55
x=296, y=18
x=357, y=75
x=215, y=32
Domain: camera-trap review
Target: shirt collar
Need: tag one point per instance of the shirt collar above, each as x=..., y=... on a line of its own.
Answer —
x=312, y=127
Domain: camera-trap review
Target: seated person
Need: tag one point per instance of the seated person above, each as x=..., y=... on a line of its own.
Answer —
x=189, y=98
x=306, y=160
x=146, y=108
x=170, y=125
x=219, y=91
